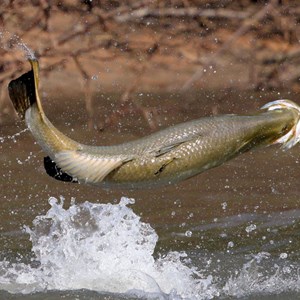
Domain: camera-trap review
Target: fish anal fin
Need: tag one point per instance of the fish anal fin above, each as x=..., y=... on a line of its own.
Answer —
x=54, y=171
x=85, y=167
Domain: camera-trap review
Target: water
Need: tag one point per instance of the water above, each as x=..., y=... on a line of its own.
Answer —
x=100, y=247
x=107, y=248
x=229, y=232
x=232, y=232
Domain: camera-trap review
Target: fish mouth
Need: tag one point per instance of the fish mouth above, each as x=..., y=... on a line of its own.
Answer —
x=292, y=137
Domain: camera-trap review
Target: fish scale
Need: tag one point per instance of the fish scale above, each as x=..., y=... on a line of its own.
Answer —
x=164, y=157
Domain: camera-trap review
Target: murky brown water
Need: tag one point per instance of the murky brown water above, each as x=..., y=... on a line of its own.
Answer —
x=248, y=206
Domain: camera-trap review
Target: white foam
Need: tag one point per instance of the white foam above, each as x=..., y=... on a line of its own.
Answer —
x=106, y=248
x=101, y=247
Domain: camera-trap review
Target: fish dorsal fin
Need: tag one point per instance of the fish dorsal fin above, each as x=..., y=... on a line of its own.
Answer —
x=87, y=168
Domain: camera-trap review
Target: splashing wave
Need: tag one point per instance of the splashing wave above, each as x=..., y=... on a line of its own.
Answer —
x=102, y=247
x=106, y=248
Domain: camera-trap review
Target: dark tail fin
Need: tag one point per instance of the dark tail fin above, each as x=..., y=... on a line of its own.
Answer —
x=23, y=90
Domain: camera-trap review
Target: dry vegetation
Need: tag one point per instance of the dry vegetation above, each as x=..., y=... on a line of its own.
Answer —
x=152, y=44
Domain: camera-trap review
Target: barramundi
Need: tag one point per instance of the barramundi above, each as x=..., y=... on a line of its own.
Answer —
x=165, y=157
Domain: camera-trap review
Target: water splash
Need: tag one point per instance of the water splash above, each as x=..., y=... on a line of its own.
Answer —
x=257, y=279
x=101, y=247
x=10, y=41
x=12, y=137
x=106, y=248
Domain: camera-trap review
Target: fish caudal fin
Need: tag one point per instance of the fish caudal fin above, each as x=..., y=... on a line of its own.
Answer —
x=291, y=138
x=23, y=90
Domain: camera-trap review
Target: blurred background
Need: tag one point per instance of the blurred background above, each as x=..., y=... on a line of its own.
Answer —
x=129, y=47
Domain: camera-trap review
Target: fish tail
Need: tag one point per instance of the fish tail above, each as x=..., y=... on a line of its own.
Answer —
x=23, y=91
x=292, y=137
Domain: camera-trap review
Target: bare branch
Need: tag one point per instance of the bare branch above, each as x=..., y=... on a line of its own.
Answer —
x=242, y=30
x=191, y=12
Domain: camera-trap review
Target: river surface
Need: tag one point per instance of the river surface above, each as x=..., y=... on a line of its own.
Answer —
x=231, y=232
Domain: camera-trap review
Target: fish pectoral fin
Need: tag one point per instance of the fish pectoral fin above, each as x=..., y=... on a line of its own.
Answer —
x=87, y=167
x=170, y=146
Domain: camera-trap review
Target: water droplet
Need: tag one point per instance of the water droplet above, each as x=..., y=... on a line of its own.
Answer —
x=250, y=228
x=224, y=205
x=230, y=244
x=188, y=233
x=283, y=255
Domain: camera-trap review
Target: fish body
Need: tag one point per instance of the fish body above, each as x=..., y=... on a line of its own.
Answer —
x=164, y=157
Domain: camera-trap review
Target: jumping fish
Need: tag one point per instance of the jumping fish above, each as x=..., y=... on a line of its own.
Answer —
x=162, y=158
